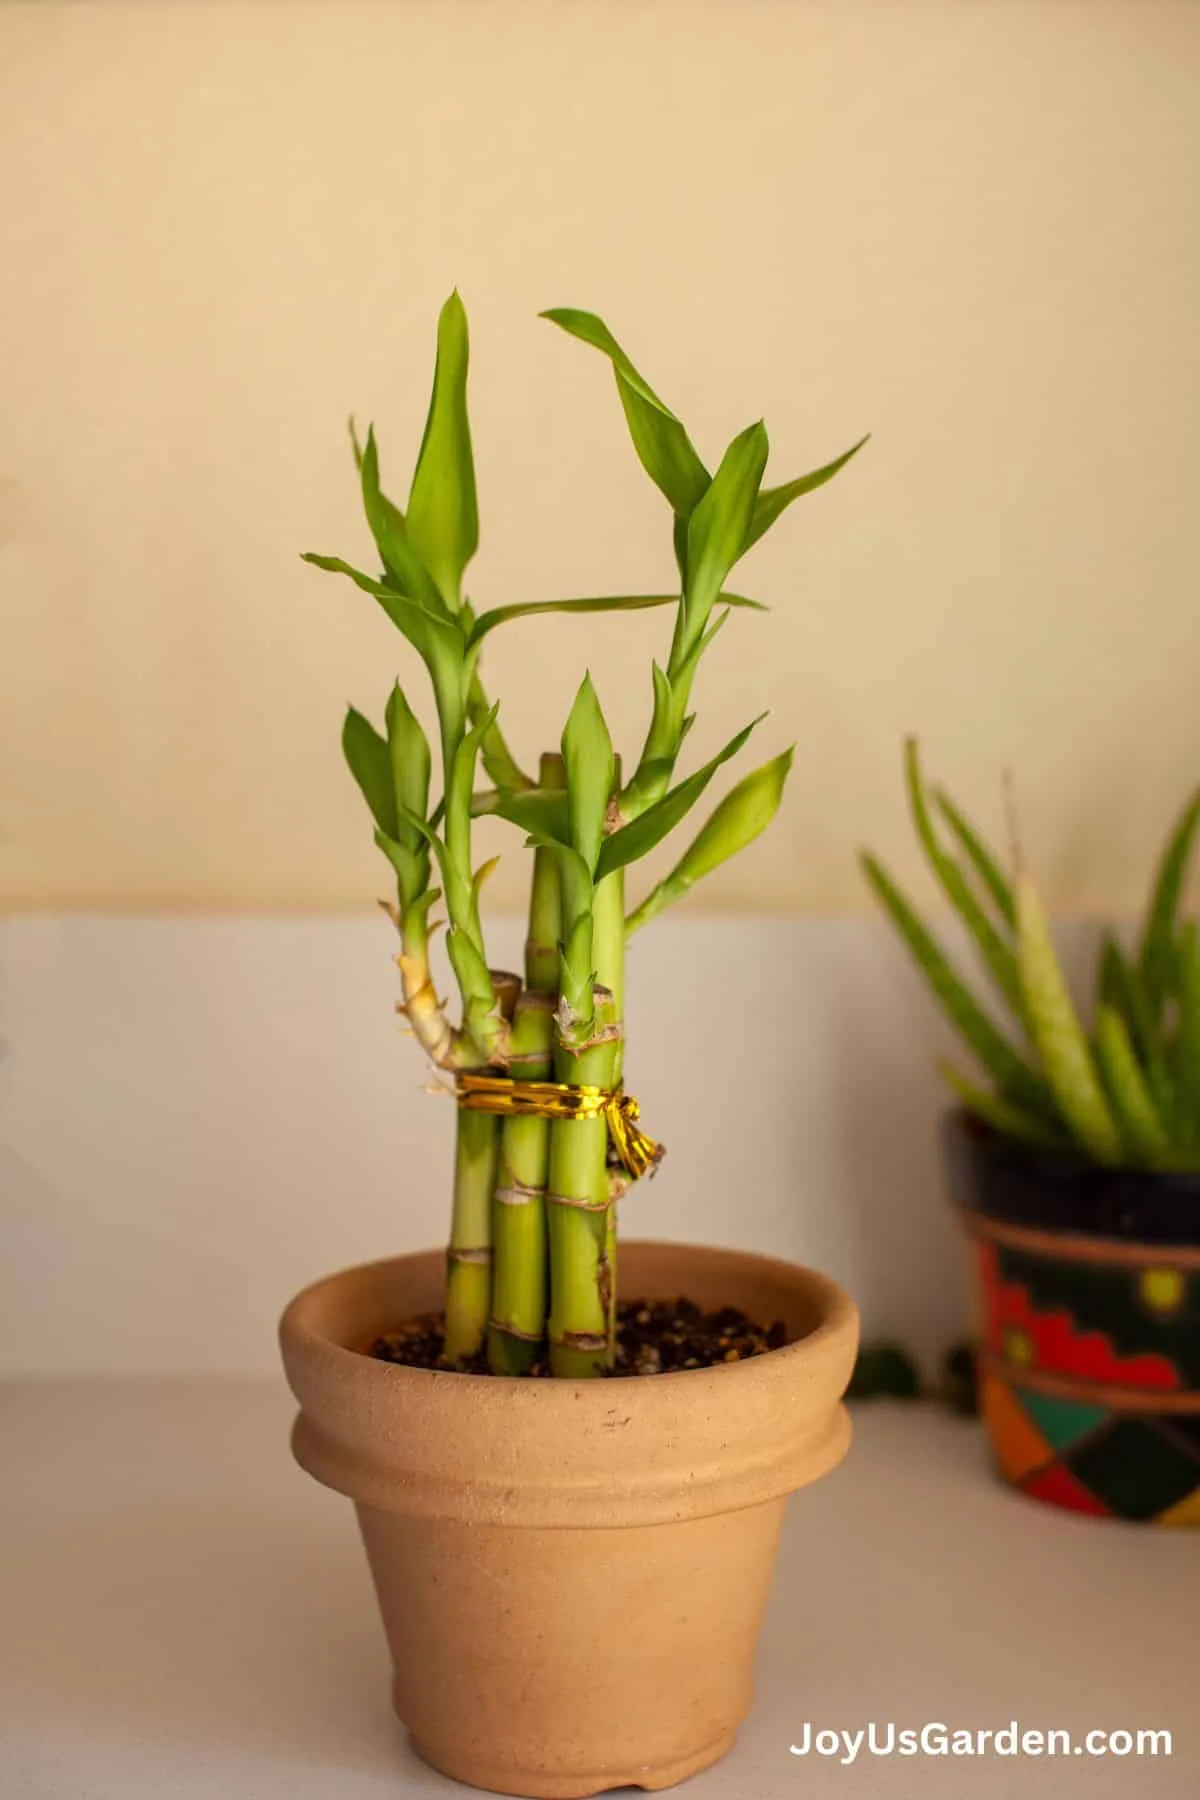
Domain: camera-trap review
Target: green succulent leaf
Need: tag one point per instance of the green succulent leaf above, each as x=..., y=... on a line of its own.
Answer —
x=443, y=516
x=1157, y=955
x=982, y=860
x=1186, y=1118
x=773, y=501
x=1119, y=985
x=1057, y=1035
x=718, y=527
x=736, y=821
x=664, y=449
x=1003, y=1115
x=370, y=764
x=997, y=955
x=1128, y=1093
x=639, y=837
x=995, y=1053
x=588, y=758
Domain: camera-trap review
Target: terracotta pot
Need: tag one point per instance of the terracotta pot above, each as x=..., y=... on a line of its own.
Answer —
x=572, y=1574
x=1088, y=1292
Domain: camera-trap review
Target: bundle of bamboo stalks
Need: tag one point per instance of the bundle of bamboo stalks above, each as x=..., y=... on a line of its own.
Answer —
x=532, y=1252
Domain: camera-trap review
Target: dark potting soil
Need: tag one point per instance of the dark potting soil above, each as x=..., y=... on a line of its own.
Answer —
x=654, y=1337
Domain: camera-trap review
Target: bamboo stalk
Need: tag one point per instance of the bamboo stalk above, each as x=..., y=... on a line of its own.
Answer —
x=577, y=1202
x=517, y=1329
x=608, y=913
x=469, y=1253
x=545, y=898
x=580, y=1210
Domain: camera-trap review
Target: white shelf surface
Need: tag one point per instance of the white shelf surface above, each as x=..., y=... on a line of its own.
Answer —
x=186, y=1615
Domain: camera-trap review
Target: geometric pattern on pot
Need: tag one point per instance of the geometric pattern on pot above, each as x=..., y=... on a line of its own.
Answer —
x=1088, y=1288
x=1110, y=1315
x=1110, y=1461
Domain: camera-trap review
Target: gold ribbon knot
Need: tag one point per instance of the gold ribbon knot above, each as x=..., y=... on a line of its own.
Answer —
x=637, y=1153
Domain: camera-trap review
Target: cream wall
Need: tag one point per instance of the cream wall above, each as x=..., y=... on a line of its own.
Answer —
x=968, y=228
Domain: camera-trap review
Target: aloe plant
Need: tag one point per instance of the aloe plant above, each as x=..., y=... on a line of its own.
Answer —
x=531, y=1260
x=1122, y=1088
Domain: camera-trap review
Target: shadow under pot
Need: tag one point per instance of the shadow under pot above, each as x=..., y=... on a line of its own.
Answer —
x=1087, y=1290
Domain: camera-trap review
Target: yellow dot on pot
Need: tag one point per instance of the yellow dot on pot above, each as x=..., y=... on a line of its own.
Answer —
x=1018, y=1346
x=1161, y=1289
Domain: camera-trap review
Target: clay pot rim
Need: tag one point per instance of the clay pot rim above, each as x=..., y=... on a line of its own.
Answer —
x=838, y=1315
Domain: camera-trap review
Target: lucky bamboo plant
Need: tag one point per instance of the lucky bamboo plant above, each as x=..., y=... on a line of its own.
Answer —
x=546, y=1139
x=1127, y=1090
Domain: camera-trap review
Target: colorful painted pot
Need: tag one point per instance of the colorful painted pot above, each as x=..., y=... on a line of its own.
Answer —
x=1088, y=1291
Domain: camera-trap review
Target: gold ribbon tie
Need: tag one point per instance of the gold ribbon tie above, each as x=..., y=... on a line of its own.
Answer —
x=637, y=1153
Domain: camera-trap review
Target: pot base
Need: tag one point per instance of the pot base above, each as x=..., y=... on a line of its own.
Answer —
x=533, y=1784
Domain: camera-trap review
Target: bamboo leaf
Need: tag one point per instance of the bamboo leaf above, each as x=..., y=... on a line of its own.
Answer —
x=399, y=556
x=600, y=603
x=717, y=529
x=679, y=531
x=1156, y=958
x=409, y=763
x=772, y=501
x=588, y=758
x=436, y=639
x=420, y=624
x=639, y=837
x=986, y=867
x=736, y=821
x=1128, y=1093
x=355, y=446
x=1057, y=1034
x=502, y=767
x=1003, y=1115
x=664, y=738
x=577, y=874
x=576, y=960
x=370, y=764
x=669, y=725
x=411, y=867
x=537, y=811
x=1013, y=1076
x=459, y=811
x=474, y=978
x=455, y=881
x=998, y=957
x=443, y=516
x=482, y=876
x=663, y=446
